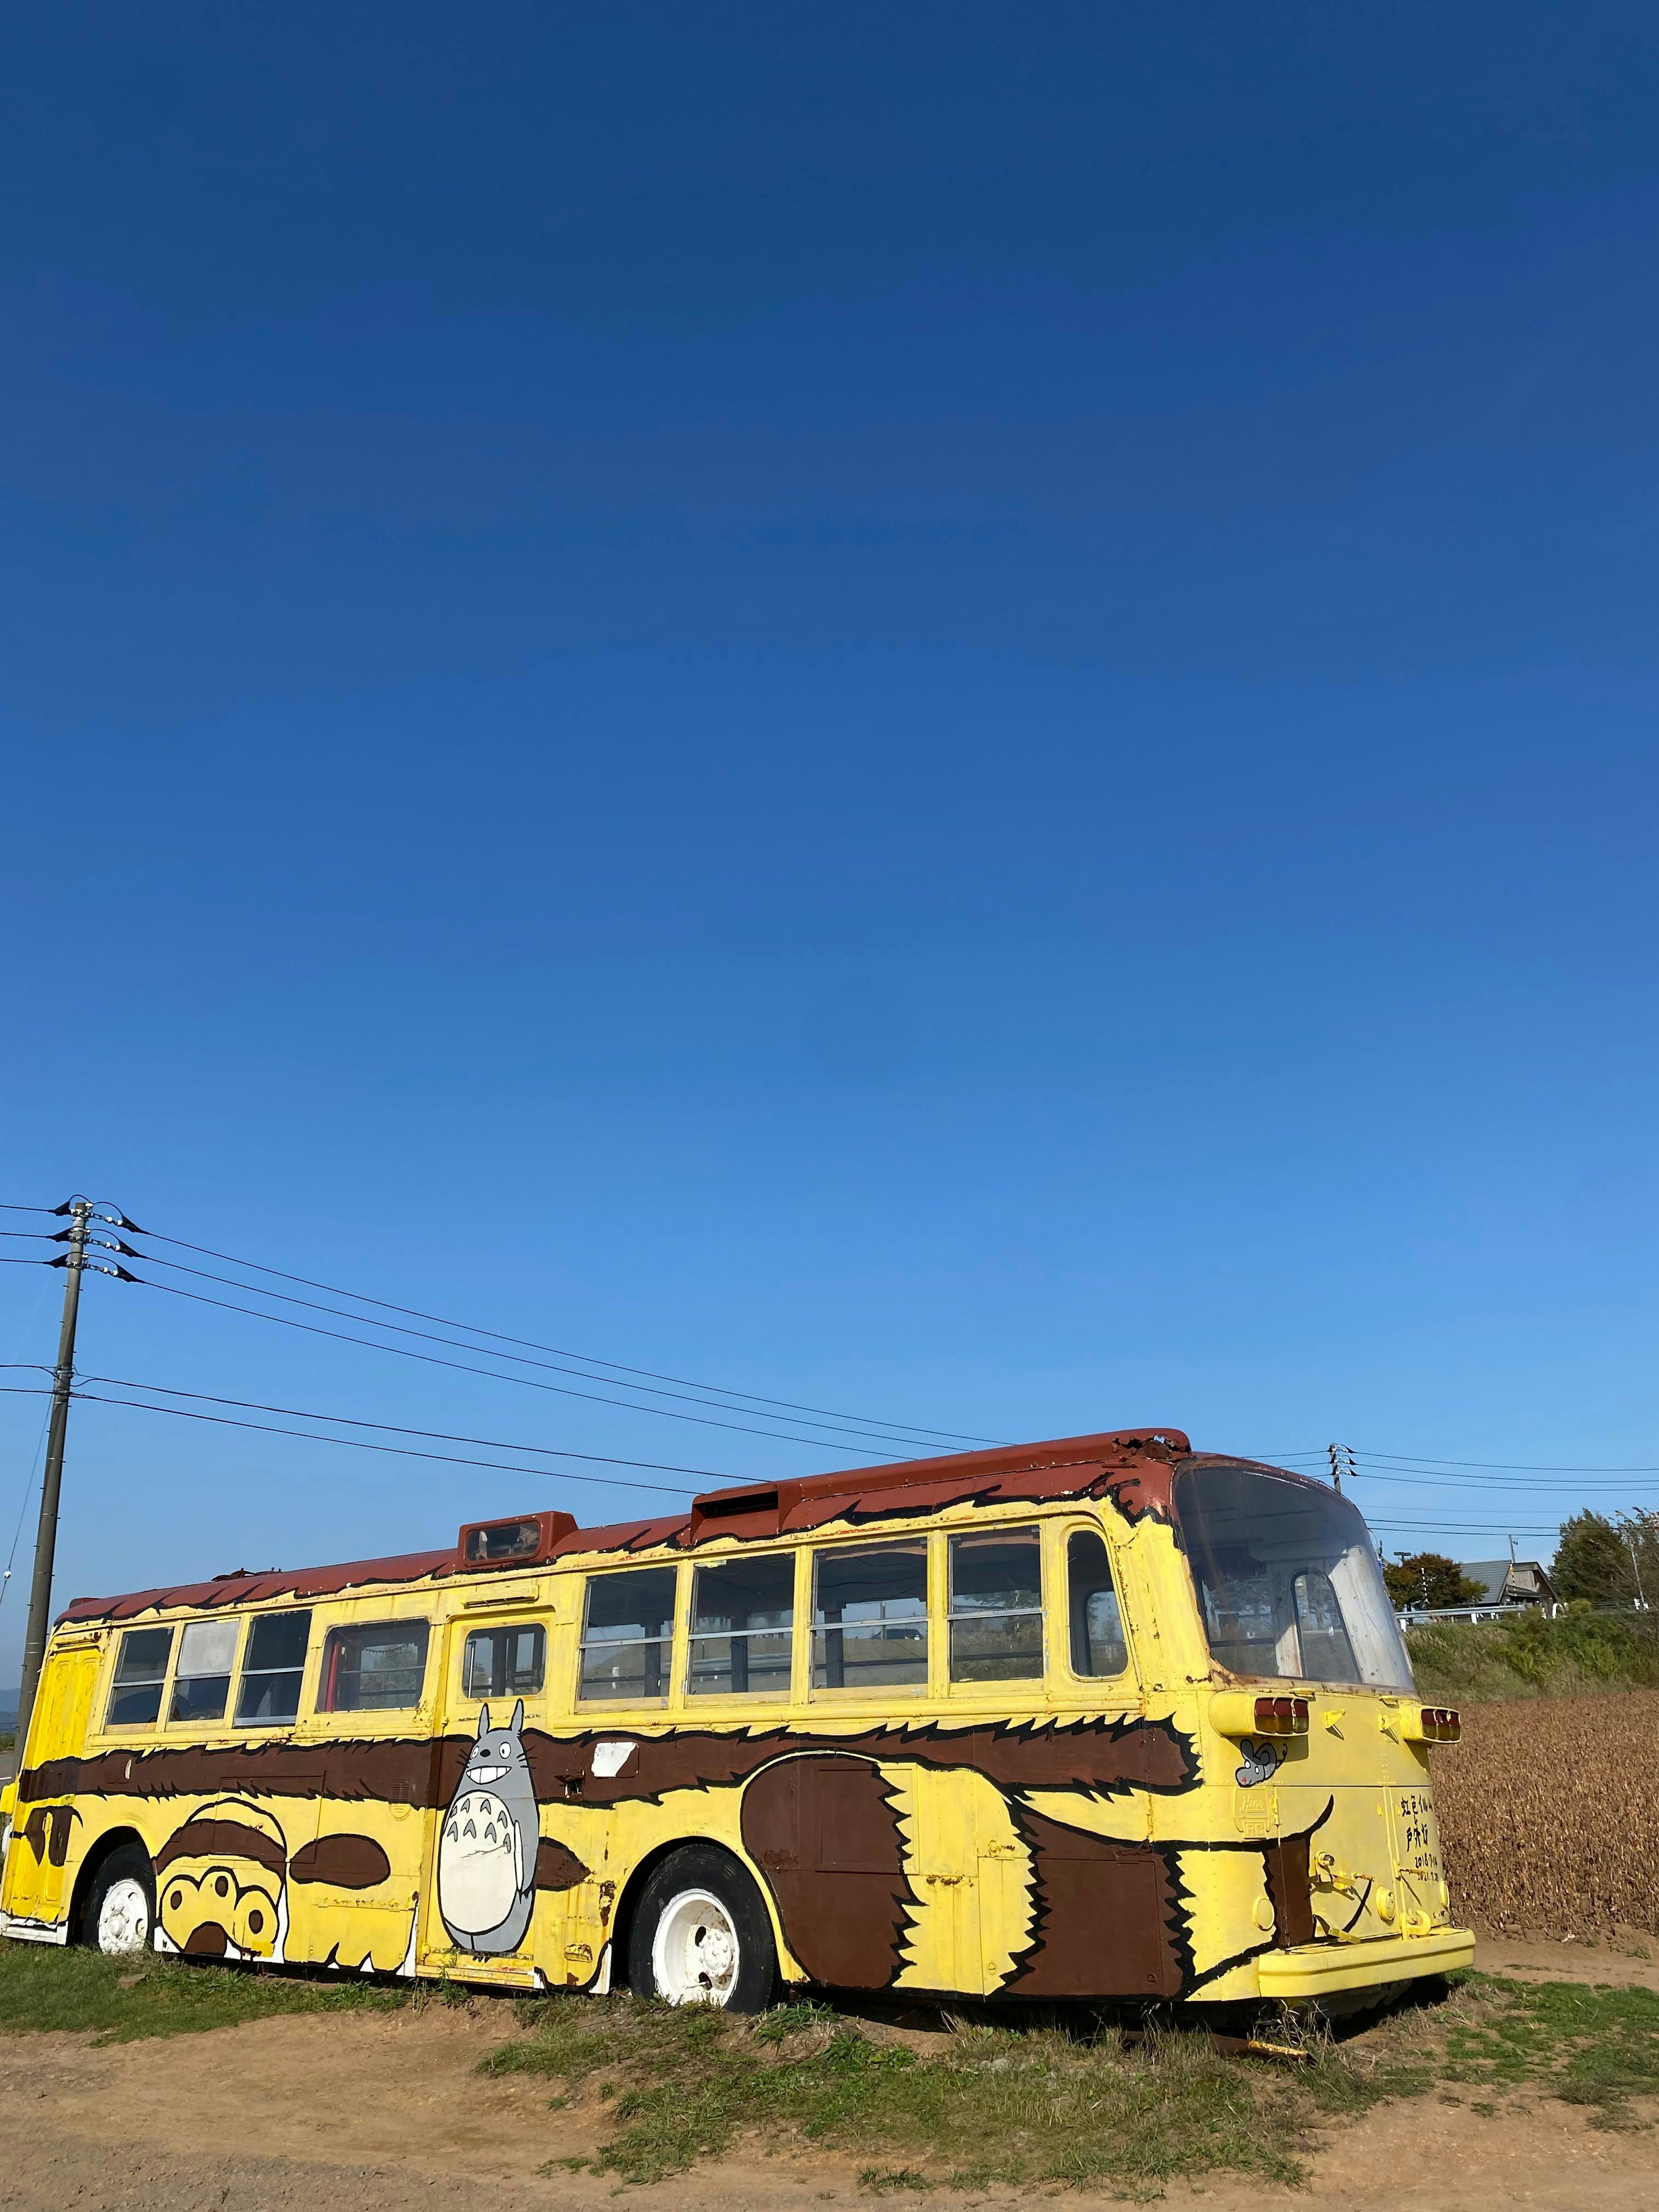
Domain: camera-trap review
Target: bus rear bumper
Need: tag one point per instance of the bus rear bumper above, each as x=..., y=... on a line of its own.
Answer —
x=1312, y=1970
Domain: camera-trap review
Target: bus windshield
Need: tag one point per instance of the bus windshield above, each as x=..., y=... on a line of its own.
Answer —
x=1287, y=1582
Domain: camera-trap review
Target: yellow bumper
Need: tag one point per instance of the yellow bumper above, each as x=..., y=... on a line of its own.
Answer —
x=1313, y=1969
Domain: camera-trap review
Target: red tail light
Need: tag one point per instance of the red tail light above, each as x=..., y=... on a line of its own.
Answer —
x=1441, y=1724
x=1281, y=1715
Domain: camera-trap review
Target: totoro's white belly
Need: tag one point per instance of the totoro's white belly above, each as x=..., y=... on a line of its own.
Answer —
x=480, y=1864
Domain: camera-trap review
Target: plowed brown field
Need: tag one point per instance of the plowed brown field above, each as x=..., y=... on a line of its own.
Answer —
x=1549, y=1813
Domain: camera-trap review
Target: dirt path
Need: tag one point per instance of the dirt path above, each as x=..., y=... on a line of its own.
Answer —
x=385, y=2112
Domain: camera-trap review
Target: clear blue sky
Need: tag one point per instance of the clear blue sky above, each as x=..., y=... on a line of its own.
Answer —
x=943, y=710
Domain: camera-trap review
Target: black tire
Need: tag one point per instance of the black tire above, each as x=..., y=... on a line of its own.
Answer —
x=668, y=1906
x=130, y=1865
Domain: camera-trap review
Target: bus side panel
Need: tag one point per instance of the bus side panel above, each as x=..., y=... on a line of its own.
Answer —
x=48, y=1839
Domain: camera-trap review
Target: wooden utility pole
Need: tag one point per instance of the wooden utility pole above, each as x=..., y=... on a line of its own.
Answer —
x=45, y=1543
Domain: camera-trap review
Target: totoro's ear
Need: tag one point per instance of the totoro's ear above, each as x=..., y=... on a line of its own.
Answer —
x=483, y=1721
x=517, y=1720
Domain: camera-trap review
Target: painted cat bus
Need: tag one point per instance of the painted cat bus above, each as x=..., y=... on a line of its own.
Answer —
x=1104, y=1718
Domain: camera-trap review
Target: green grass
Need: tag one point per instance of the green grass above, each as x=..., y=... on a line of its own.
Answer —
x=1012, y=2104
x=1033, y=2104
x=118, y=2000
x=1596, y=2047
x=1462, y=1662
x=1036, y=2105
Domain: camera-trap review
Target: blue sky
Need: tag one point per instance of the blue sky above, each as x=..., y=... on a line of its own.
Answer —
x=945, y=711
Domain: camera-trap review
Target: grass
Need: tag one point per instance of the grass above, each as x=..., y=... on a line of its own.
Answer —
x=1039, y=2105
x=1035, y=2103
x=1598, y=2047
x=118, y=2000
x=1029, y=2104
x=1467, y=1662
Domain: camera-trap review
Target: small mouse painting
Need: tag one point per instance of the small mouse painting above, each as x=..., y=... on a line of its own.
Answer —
x=487, y=1853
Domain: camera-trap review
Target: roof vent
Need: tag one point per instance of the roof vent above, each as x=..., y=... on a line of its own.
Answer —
x=751, y=1512
x=528, y=1540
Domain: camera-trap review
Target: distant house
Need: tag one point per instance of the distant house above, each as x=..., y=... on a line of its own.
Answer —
x=1508, y=1581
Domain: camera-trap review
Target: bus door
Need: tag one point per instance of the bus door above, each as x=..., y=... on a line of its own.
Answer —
x=359, y=1769
x=480, y=1913
x=43, y=1848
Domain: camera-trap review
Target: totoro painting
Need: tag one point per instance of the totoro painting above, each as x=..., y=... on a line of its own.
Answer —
x=487, y=1852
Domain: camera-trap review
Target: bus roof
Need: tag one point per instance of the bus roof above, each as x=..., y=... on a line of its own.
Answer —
x=1135, y=1464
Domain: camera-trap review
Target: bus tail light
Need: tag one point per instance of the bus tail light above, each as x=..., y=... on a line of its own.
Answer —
x=1434, y=1724
x=1281, y=1717
x=1237, y=1713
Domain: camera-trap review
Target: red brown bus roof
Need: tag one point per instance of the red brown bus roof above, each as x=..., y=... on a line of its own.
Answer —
x=1133, y=1465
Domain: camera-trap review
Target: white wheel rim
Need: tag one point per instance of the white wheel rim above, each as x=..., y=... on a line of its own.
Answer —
x=696, y=1953
x=123, y=1917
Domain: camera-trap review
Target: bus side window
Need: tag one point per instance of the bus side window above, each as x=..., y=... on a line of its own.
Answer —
x=628, y=1634
x=272, y=1669
x=201, y=1682
x=377, y=1668
x=1097, y=1645
x=870, y=1616
x=996, y=1605
x=505, y=1663
x=135, y=1700
x=742, y=1612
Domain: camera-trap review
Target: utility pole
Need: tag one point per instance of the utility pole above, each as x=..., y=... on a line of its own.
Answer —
x=1341, y=1459
x=45, y=1543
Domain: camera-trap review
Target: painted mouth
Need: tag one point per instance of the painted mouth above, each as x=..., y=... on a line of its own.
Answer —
x=485, y=1773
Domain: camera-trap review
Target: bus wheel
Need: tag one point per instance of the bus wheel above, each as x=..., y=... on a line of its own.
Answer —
x=700, y=1935
x=120, y=1909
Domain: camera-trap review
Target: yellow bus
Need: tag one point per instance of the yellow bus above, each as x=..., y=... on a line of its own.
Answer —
x=1103, y=1719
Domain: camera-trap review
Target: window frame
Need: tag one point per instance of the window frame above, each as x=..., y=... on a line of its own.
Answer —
x=869, y=1540
x=244, y=1673
x=1064, y=1531
x=671, y=1694
x=238, y=1623
x=323, y=1707
x=1041, y=1610
x=164, y=1681
x=738, y=1556
x=514, y=1623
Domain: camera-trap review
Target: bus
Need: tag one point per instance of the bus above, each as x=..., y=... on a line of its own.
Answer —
x=1103, y=1719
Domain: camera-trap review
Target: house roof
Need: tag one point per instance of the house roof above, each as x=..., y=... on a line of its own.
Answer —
x=1500, y=1578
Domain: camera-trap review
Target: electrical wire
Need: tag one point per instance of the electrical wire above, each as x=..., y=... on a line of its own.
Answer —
x=1514, y=1466
x=494, y=1375
x=885, y=1438
x=395, y=1429
x=23, y=1506
x=357, y=1444
x=871, y=1424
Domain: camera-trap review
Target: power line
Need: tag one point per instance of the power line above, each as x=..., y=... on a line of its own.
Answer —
x=1477, y=1481
x=884, y=1437
x=23, y=1503
x=493, y=1374
x=871, y=1424
x=395, y=1429
x=357, y=1444
x=1501, y=1466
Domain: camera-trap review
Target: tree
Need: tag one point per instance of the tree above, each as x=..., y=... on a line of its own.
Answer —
x=1429, y=1578
x=1593, y=1561
x=1608, y=1562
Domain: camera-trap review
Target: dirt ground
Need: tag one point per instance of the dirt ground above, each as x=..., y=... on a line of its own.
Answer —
x=384, y=2112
